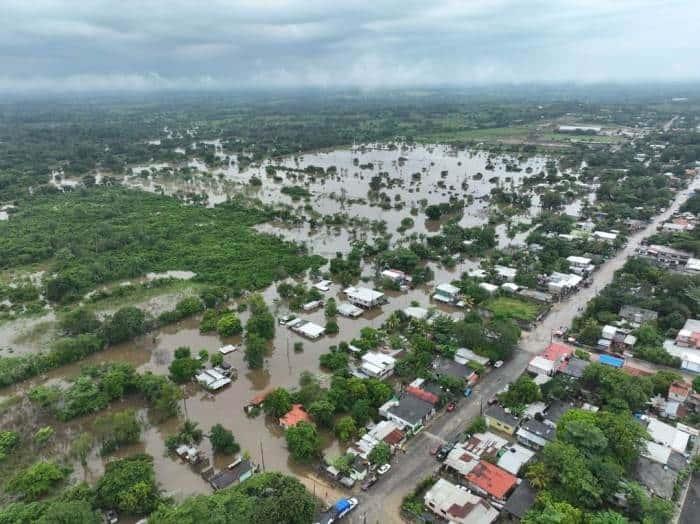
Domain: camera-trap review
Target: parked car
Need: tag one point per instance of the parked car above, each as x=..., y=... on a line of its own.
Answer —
x=434, y=450
x=348, y=482
x=383, y=469
x=445, y=450
x=451, y=406
x=368, y=483
x=498, y=364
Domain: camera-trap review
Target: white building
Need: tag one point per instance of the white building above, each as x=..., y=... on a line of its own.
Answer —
x=666, y=435
x=377, y=365
x=541, y=366
x=364, y=297
x=506, y=273
x=419, y=313
x=489, y=288
x=346, y=309
x=464, y=356
x=456, y=505
x=306, y=328
x=212, y=379
x=514, y=458
x=608, y=236
x=446, y=292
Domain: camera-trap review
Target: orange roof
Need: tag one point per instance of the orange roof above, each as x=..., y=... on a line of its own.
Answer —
x=492, y=479
x=681, y=389
x=294, y=416
x=259, y=398
x=427, y=396
x=394, y=437
x=557, y=351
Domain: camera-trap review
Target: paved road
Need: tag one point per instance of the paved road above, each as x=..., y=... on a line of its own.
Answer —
x=381, y=504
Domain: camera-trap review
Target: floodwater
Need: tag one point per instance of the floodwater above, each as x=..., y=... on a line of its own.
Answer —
x=416, y=175
x=260, y=436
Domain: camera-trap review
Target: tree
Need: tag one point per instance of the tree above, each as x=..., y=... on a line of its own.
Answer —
x=278, y=402
x=184, y=367
x=590, y=332
x=69, y=512
x=81, y=447
x=117, y=429
x=129, y=485
x=551, y=201
x=265, y=498
x=360, y=411
x=334, y=361
x=37, y=480
x=696, y=384
x=380, y=454
x=322, y=412
x=331, y=308
x=43, y=435
x=216, y=359
x=124, y=325
x=303, y=441
x=261, y=322
x=332, y=327
x=520, y=393
x=223, y=441
x=9, y=440
x=551, y=512
x=346, y=428
x=255, y=349
x=229, y=325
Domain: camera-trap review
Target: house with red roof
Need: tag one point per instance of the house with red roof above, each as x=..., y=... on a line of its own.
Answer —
x=488, y=479
x=294, y=416
x=679, y=391
x=422, y=394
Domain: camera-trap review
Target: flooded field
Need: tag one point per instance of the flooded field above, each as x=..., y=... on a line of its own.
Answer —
x=413, y=177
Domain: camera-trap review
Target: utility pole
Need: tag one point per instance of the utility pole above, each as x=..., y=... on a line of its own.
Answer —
x=262, y=456
x=184, y=403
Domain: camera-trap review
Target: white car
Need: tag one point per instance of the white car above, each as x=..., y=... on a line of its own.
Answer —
x=498, y=364
x=383, y=469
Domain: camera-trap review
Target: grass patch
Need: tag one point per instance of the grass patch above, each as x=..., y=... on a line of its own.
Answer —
x=512, y=308
x=485, y=134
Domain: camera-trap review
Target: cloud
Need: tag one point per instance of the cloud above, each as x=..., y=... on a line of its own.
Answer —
x=176, y=44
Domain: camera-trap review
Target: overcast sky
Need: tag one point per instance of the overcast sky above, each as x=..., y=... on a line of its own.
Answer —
x=146, y=44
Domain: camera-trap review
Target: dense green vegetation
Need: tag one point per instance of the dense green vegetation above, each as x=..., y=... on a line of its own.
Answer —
x=125, y=234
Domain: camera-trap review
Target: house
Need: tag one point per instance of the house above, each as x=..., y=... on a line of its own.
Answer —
x=689, y=336
x=499, y=419
x=385, y=431
x=679, y=391
x=489, y=288
x=574, y=367
x=443, y=366
x=456, y=505
x=542, y=366
x=419, y=313
x=637, y=315
x=346, y=309
x=667, y=435
x=537, y=296
x=409, y=412
x=294, y=416
x=506, y=273
x=657, y=478
x=236, y=473
x=514, y=457
x=509, y=287
x=485, y=444
x=488, y=479
x=580, y=265
x=551, y=359
x=446, y=293
x=520, y=502
x=607, y=236
x=608, y=332
x=212, y=379
x=563, y=283
x=664, y=254
x=426, y=396
x=464, y=356
x=364, y=297
x=460, y=461
x=691, y=362
x=397, y=277
x=377, y=365
x=535, y=434
x=312, y=305
x=306, y=328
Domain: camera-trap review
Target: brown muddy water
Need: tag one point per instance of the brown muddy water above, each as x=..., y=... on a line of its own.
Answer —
x=443, y=171
x=260, y=436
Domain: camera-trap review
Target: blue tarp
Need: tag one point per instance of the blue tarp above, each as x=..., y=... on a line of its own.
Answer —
x=342, y=505
x=609, y=360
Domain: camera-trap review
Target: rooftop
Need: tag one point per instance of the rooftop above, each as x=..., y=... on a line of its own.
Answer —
x=657, y=478
x=514, y=457
x=422, y=394
x=557, y=351
x=294, y=416
x=411, y=409
x=445, y=366
x=363, y=293
x=500, y=414
x=458, y=505
x=521, y=500
x=492, y=479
